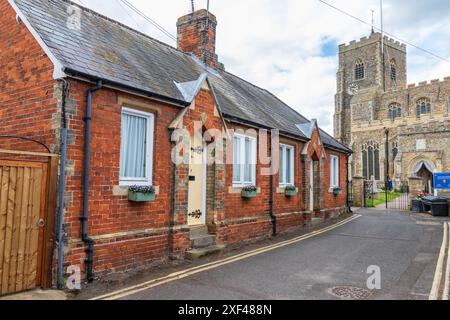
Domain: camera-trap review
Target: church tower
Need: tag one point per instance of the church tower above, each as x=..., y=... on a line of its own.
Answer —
x=362, y=76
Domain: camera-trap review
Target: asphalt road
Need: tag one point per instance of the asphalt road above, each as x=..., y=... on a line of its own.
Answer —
x=405, y=247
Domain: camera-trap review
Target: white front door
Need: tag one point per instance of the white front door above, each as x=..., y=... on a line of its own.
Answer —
x=197, y=183
x=311, y=186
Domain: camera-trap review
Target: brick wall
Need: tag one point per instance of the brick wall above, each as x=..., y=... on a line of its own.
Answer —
x=248, y=219
x=28, y=93
x=126, y=233
x=129, y=234
x=332, y=201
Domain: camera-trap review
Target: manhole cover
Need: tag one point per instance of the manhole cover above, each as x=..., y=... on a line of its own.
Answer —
x=352, y=293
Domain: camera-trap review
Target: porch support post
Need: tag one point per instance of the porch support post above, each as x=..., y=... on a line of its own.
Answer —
x=322, y=183
x=220, y=187
x=358, y=191
x=179, y=230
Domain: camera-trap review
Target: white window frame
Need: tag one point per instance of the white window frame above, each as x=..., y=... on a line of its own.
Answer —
x=148, y=180
x=242, y=182
x=334, y=172
x=284, y=183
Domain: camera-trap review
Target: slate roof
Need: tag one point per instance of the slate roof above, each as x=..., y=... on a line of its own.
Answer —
x=106, y=49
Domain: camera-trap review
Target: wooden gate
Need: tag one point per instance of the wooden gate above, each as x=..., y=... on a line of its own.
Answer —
x=27, y=207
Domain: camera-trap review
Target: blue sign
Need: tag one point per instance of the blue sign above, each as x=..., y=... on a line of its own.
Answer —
x=442, y=180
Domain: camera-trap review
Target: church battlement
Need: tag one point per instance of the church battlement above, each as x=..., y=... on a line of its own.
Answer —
x=438, y=121
x=428, y=83
x=373, y=38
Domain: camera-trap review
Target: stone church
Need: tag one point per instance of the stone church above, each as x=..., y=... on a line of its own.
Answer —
x=396, y=130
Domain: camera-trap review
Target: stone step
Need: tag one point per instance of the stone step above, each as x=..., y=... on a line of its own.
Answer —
x=198, y=231
x=195, y=254
x=316, y=221
x=202, y=241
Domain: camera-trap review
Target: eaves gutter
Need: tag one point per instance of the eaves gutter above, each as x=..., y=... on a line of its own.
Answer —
x=121, y=86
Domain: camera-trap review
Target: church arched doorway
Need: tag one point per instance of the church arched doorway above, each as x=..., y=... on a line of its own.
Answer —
x=424, y=170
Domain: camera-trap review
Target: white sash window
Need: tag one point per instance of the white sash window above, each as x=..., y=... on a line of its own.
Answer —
x=334, y=172
x=286, y=165
x=244, y=160
x=136, y=147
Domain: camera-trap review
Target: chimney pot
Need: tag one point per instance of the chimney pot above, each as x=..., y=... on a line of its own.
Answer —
x=197, y=35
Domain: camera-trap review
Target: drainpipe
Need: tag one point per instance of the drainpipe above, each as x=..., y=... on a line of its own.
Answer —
x=62, y=187
x=87, y=166
x=273, y=218
x=349, y=208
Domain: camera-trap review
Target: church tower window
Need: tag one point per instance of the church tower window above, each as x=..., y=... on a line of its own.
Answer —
x=371, y=160
x=393, y=71
x=423, y=106
x=359, y=70
x=394, y=111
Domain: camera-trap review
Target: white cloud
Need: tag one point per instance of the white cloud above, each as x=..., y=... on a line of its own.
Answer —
x=277, y=44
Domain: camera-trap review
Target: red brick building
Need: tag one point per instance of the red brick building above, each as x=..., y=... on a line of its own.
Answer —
x=118, y=107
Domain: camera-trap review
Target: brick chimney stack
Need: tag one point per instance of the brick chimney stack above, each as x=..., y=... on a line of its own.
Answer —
x=197, y=34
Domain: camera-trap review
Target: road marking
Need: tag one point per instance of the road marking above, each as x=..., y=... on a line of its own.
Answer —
x=212, y=265
x=434, y=294
x=446, y=295
x=428, y=223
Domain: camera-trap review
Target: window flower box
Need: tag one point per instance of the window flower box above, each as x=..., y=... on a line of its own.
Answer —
x=249, y=192
x=141, y=194
x=290, y=191
x=337, y=191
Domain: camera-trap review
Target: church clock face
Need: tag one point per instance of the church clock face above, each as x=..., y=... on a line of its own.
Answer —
x=353, y=89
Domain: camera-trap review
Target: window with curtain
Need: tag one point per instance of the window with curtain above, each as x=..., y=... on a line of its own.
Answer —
x=359, y=70
x=136, y=147
x=286, y=169
x=371, y=160
x=334, y=171
x=244, y=160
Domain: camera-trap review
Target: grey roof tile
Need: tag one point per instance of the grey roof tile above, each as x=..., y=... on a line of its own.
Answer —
x=104, y=48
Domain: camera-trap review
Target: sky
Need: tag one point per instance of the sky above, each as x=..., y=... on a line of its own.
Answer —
x=290, y=47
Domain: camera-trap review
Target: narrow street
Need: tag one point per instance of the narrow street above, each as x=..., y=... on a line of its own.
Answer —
x=404, y=246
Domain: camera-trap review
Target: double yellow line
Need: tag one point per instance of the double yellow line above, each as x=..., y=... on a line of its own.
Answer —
x=442, y=269
x=208, y=266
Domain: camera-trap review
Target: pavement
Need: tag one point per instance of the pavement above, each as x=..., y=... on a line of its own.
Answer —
x=403, y=246
x=37, y=294
x=333, y=261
